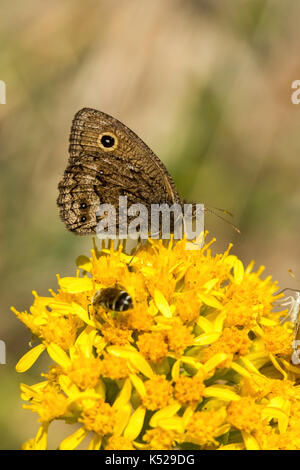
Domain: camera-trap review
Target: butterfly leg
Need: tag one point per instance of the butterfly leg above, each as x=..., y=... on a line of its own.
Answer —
x=138, y=246
x=88, y=309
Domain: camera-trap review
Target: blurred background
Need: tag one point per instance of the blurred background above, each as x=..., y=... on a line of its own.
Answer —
x=206, y=84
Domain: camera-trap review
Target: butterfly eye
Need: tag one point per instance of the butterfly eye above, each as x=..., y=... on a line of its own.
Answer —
x=83, y=205
x=83, y=218
x=107, y=141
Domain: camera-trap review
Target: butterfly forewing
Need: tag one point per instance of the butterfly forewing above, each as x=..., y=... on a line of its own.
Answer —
x=108, y=160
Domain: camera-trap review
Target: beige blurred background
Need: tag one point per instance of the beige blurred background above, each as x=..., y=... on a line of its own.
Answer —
x=207, y=85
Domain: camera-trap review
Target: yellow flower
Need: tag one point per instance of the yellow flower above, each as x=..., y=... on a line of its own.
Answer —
x=118, y=443
x=153, y=346
x=114, y=367
x=49, y=403
x=179, y=338
x=278, y=340
x=84, y=371
x=115, y=335
x=158, y=393
x=188, y=306
x=160, y=439
x=140, y=318
x=247, y=301
x=100, y=418
x=200, y=361
x=189, y=390
x=205, y=426
x=245, y=414
x=233, y=342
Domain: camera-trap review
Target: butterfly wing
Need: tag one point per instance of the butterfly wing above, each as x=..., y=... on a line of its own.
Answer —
x=108, y=160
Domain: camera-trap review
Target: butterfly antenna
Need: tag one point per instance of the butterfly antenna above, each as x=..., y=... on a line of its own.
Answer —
x=223, y=218
x=138, y=246
x=220, y=210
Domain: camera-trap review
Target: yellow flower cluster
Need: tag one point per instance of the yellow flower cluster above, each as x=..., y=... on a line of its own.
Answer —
x=200, y=361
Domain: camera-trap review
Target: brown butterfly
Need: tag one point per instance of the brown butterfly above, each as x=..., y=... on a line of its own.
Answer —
x=108, y=160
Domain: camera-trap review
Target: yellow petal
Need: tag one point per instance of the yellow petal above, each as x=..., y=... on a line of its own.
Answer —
x=101, y=389
x=85, y=341
x=191, y=361
x=250, y=366
x=27, y=392
x=240, y=370
x=82, y=313
x=135, y=424
x=267, y=322
x=238, y=271
x=42, y=437
x=250, y=442
x=95, y=443
x=223, y=393
x=219, y=321
x=122, y=417
x=279, y=402
x=209, y=300
x=277, y=366
x=230, y=260
x=67, y=386
x=29, y=358
x=59, y=307
x=210, y=284
x=83, y=262
x=87, y=398
x=249, y=267
x=258, y=330
x=214, y=361
x=166, y=412
x=99, y=343
x=124, y=396
x=172, y=424
x=188, y=413
x=290, y=367
x=136, y=359
x=232, y=447
x=138, y=385
x=205, y=324
x=206, y=338
x=270, y=412
x=73, y=441
x=175, y=370
x=140, y=363
x=58, y=355
x=74, y=285
x=254, y=361
x=223, y=429
x=162, y=304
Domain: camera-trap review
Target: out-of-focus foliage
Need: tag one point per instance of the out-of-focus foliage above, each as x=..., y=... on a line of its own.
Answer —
x=207, y=84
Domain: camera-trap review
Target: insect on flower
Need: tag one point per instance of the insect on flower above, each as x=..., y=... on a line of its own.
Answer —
x=113, y=298
x=293, y=315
